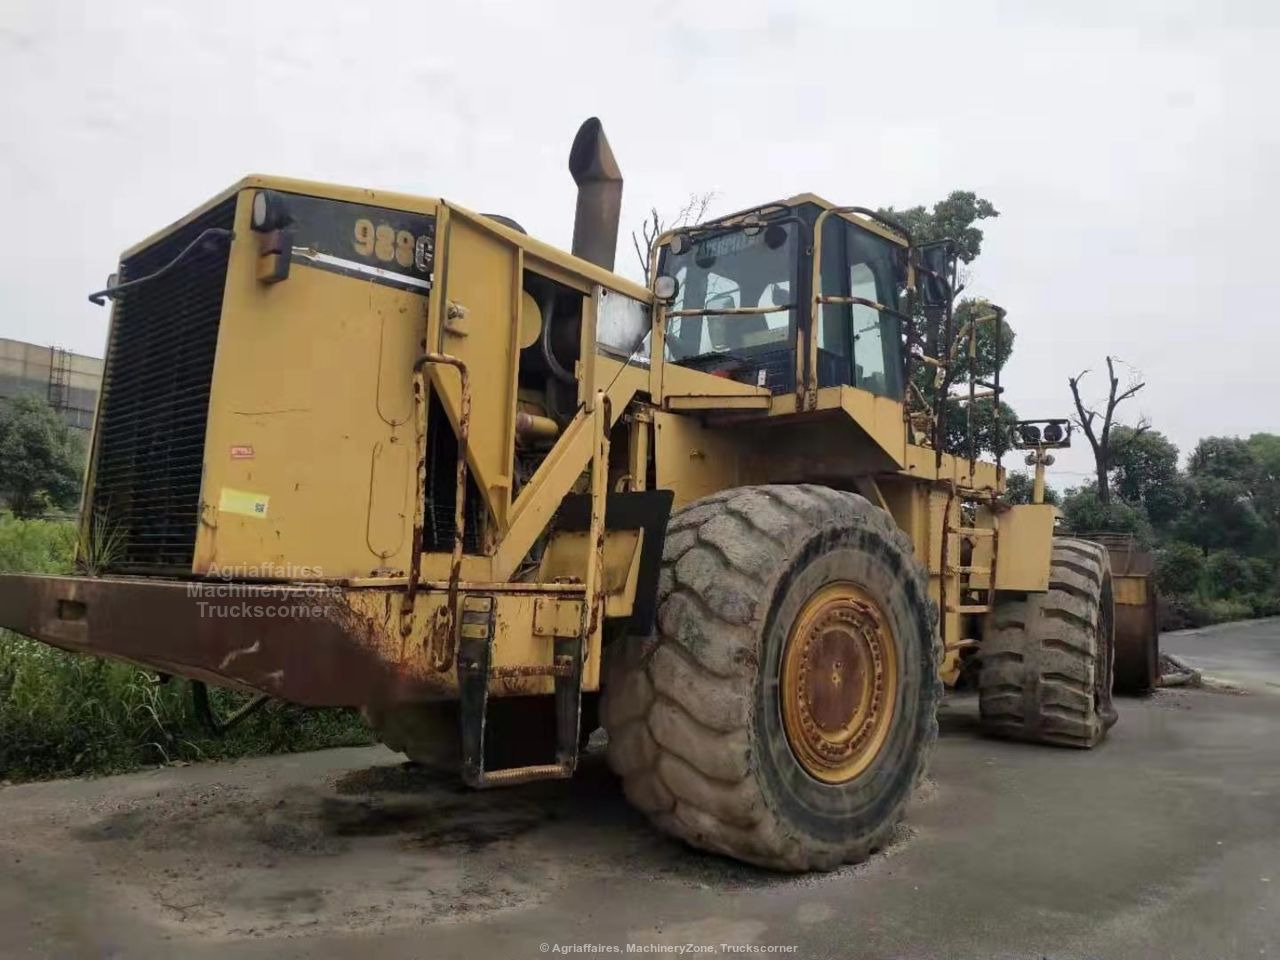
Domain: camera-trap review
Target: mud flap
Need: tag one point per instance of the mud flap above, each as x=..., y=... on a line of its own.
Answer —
x=647, y=510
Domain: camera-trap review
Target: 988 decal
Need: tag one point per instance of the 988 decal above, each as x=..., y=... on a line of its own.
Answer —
x=385, y=243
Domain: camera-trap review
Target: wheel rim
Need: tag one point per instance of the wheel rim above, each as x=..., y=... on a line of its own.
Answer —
x=839, y=683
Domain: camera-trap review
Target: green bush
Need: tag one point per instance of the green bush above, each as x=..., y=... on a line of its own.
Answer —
x=1187, y=612
x=1262, y=576
x=1179, y=567
x=1179, y=613
x=1263, y=604
x=1228, y=574
x=1019, y=487
x=1224, y=611
x=41, y=458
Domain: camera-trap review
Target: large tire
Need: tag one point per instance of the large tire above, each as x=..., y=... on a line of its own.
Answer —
x=695, y=713
x=1047, y=659
x=427, y=733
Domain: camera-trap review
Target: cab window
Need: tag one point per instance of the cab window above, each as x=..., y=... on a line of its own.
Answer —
x=859, y=345
x=733, y=270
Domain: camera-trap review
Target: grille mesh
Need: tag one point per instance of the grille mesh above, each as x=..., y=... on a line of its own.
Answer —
x=155, y=399
x=439, y=527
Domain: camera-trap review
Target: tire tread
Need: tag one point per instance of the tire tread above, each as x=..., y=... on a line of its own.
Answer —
x=1046, y=651
x=697, y=781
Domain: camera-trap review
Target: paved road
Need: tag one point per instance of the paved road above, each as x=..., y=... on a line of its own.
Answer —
x=1246, y=653
x=1165, y=842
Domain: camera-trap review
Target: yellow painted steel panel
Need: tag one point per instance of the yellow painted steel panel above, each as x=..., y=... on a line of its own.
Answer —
x=390, y=516
x=482, y=288
x=1024, y=547
x=880, y=417
x=694, y=461
x=312, y=374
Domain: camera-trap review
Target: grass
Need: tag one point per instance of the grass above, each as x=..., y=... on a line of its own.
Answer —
x=64, y=714
x=36, y=546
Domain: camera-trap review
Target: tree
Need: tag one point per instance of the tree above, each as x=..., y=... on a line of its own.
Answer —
x=952, y=218
x=1229, y=574
x=1219, y=515
x=40, y=459
x=985, y=341
x=991, y=431
x=1097, y=426
x=1179, y=567
x=1225, y=458
x=1084, y=512
x=955, y=218
x=1223, y=475
x=692, y=213
x=1240, y=480
x=1018, y=487
x=1266, y=454
x=1144, y=472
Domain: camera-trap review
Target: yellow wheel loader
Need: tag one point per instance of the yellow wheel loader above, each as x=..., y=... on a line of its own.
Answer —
x=358, y=448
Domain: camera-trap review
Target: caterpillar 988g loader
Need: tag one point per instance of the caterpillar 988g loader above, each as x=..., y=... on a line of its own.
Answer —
x=362, y=448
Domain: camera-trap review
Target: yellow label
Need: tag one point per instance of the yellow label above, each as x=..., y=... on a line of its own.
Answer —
x=243, y=502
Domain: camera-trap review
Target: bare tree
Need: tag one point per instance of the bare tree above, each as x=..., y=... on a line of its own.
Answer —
x=1097, y=426
x=693, y=212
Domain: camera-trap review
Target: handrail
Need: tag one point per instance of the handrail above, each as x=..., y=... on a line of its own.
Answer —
x=220, y=234
x=807, y=359
x=729, y=311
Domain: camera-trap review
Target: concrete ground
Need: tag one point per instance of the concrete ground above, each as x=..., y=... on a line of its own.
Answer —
x=1164, y=842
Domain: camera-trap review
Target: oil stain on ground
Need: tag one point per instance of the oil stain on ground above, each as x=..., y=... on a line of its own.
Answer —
x=380, y=847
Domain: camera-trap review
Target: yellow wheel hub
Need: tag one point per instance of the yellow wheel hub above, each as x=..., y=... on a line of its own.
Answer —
x=839, y=683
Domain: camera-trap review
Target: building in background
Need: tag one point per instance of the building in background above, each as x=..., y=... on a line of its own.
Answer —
x=70, y=382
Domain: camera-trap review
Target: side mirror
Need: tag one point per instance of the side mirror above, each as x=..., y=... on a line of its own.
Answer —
x=933, y=264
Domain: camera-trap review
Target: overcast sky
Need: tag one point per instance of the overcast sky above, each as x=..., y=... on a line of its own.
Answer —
x=1133, y=148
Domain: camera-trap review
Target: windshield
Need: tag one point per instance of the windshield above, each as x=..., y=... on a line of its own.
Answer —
x=734, y=269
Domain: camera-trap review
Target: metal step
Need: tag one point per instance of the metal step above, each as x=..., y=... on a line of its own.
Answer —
x=511, y=776
x=475, y=648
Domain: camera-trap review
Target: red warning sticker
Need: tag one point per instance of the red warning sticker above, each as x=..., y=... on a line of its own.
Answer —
x=241, y=451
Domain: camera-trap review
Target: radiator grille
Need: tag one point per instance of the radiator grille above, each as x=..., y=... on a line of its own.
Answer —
x=155, y=400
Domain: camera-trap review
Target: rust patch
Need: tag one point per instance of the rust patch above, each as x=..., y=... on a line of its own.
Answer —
x=441, y=638
x=279, y=640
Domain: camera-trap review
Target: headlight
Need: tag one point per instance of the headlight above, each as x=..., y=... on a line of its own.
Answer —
x=268, y=212
x=666, y=287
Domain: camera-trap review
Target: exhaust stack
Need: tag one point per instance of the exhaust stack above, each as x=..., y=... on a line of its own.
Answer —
x=595, y=171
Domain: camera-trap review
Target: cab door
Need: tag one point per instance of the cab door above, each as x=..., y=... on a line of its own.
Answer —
x=858, y=345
